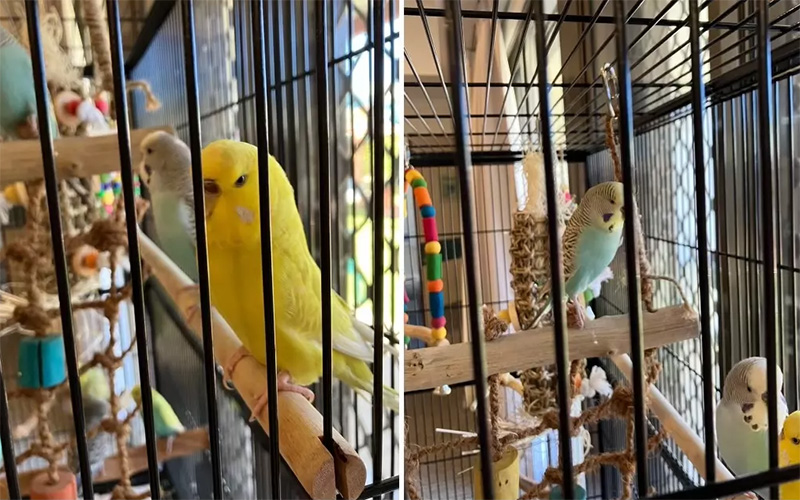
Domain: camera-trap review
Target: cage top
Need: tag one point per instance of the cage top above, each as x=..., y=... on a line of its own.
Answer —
x=500, y=64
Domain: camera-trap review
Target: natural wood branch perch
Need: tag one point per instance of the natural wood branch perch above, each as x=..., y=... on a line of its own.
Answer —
x=433, y=366
x=21, y=161
x=301, y=425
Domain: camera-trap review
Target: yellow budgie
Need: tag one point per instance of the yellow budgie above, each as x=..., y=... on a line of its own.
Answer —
x=790, y=453
x=230, y=175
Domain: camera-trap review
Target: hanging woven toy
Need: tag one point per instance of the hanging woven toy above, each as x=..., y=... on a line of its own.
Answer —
x=433, y=261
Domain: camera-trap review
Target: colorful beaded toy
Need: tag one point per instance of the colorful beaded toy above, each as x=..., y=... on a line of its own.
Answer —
x=433, y=251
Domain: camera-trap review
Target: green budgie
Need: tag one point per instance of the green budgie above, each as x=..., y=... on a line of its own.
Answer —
x=742, y=418
x=167, y=423
x=94, y=383
x=17, y=94
x=591, y=239
x=166, y=170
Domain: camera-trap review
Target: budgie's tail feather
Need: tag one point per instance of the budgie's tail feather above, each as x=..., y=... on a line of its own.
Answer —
x=368, y=334
x=359, y=378
x=541, y=314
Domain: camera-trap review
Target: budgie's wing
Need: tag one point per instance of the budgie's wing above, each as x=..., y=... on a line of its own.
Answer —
x=298, y=303
x=187, y=209
x=174, y=218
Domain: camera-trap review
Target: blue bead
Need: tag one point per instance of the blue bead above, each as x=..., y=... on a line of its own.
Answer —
x=437, y=304
x=42, y=362
x=427, y=211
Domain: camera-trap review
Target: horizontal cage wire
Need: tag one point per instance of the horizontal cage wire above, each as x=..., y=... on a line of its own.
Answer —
x=266, y=73
x=502, y=130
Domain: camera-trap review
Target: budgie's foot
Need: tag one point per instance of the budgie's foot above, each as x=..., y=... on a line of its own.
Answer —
x=28, y=129
x=237, y=356
x=578, y=316
x=284, y=384
x=170, y=441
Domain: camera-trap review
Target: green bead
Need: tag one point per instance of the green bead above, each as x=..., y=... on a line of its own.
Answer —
x=419, y=182
x=407, y=339
x=434, y=266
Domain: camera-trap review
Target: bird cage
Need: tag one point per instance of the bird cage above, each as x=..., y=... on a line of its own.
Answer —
x=215, y=68
x=671, y=99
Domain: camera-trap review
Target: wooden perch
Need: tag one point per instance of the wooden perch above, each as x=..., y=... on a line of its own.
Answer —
x=21, y=161
x=433, y=366
x=185, y=444
x=686, y=439
x=301, y=425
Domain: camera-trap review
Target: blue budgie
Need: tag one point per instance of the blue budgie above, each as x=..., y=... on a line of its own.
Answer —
x=17, y=95
x=742, y=418
x=591, y=239
x=166, y=170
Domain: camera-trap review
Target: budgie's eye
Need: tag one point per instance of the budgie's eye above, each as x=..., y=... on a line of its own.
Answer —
x=240, y=181
x=795, y=441
x=149, y=151
x=749, y=389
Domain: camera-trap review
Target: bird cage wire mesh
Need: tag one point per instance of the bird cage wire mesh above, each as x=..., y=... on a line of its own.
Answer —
x=501, y=122
x=360, y=105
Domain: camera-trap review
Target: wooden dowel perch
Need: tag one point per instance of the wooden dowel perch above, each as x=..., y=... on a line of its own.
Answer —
x=686, y=439
x=301, y=425
x=21, y=161
x=433, y=366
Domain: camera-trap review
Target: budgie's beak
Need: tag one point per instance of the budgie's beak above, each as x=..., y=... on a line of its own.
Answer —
x=764, y=396
x=622, y=212
x=212, y=191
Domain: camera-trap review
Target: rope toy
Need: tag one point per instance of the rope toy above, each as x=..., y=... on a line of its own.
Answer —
x=433, y=260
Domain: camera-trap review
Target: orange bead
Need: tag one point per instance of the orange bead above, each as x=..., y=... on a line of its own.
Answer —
x=422, y=197
x=435, y=286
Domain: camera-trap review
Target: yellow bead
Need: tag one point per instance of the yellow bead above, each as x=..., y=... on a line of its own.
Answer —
x=108, y=197
x=413, y=174
x=439, y=333
x=433, y=247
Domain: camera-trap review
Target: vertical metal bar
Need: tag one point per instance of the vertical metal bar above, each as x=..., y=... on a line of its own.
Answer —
x=395, y=185
x=466, y=182
x=56, y=233
x=195, y=144
x=765, y=121
x=556, y=260
x=137, y=295
x=698, y=109
x=378, y=189
x=323, y=153
x=631, y=250
x=9, y=458
x=262, y=135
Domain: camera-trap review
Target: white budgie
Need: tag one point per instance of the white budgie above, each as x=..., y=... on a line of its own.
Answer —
x=742, y=417
x=166, y=170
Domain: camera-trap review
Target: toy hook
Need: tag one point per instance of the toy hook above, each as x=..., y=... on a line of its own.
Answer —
x=612, y=89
